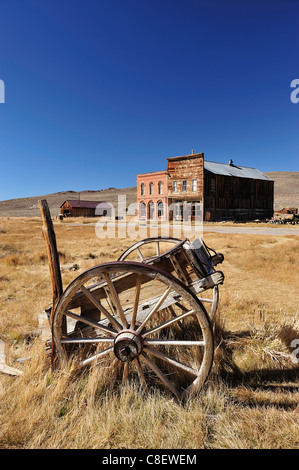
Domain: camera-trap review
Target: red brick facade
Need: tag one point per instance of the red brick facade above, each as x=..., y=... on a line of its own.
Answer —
x=152, y=195
x=164, y=195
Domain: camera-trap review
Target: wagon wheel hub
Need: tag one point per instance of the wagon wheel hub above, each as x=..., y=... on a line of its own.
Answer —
x=128, y=345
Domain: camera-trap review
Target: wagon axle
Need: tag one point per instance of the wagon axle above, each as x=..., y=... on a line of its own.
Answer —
x=128, y=345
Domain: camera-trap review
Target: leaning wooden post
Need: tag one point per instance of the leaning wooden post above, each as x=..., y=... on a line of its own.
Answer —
x=56, y=281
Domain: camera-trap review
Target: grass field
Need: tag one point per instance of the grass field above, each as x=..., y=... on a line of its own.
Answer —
x=249, y=401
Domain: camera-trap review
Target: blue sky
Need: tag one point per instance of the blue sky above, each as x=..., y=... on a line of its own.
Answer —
x=97, y=91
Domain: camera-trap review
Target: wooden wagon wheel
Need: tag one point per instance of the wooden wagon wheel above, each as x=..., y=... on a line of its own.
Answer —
x=127, y=314
x=150, y=249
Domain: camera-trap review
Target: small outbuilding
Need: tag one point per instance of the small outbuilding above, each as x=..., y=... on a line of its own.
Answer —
x=79, y=208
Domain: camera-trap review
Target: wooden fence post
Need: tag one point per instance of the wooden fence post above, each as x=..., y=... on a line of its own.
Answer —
x=54, y=265
x=49, y=236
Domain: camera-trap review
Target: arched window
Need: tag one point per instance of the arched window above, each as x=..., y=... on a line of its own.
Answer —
x=142, y=187
x=160, y=187
x=151, y=188
x=142, y=211
x=160, y=209
x=151, y=210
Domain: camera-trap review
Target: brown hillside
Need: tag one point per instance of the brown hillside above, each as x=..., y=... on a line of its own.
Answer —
x=28, y=207
x=286, y=188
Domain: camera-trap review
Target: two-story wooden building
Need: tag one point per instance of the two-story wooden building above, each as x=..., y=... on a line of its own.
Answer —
x=190, y=184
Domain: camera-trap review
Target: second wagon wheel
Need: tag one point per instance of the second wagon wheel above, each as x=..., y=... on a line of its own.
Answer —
x=126, y=314
x=150, y=250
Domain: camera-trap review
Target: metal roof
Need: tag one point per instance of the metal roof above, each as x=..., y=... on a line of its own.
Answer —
x=234, y=170
x=87, y=204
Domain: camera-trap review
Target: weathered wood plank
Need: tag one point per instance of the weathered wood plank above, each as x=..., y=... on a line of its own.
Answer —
x=54, y=265
x=4, y=368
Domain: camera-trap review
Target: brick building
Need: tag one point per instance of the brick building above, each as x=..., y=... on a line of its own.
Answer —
x=224, y=191
x=152, y=195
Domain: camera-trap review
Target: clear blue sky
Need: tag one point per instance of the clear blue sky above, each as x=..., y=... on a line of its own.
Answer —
x=97, y=91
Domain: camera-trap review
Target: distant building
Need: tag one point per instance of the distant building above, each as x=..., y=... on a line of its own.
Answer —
x=78, y=208
x=152, y=195
x=226, y=191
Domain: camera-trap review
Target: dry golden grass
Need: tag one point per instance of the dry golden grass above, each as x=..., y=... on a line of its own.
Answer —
x=250, y=400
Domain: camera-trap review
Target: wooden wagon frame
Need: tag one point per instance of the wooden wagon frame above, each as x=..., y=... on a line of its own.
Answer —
x=147, y=316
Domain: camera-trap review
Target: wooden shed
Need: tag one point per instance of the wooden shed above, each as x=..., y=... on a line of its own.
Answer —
x=79, y=208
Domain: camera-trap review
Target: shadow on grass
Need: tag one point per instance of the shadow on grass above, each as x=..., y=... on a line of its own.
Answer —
x=271, y=379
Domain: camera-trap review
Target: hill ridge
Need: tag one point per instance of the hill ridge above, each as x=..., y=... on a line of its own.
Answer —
x=286, y=194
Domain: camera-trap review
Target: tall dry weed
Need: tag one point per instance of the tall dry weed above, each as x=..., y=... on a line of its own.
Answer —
x=250, y=400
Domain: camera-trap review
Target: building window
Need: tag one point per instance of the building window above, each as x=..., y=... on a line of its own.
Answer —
x=160, y=187
x=151, y=188
x=194, y=185
x=160, y=209
x=174, y=186
x=184, y=187
x=151, y=210
x=142, y=210
x=142, y=189
x=213, y=185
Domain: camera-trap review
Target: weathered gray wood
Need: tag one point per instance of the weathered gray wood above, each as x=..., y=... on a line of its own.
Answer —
x=155, y=309
x=115, y=299
x=167, y=323
x=140, y=373
x=172, y=361
x=162, y=377
x=182, y=261
x=140, y=312
x=100, y=307
x=136, y=301
x=4, y=368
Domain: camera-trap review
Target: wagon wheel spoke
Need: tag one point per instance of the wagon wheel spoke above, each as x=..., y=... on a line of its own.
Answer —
x=92, y=323
x=93, y=340
x=174, y=315
x=203, y=299
x=161, y=375
x=136, y=301
x=96, y=356
x=101, y=308
x=141, y=255
x=167, y=323
x=154, y=244
x=109, y=301
x=172, y=361
x=154, y=309
x=116, y=301
x=140, y=373
x=158, y=248
x=173, y=347
x=210, y=299
x=125, y=373
x=173, y=342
